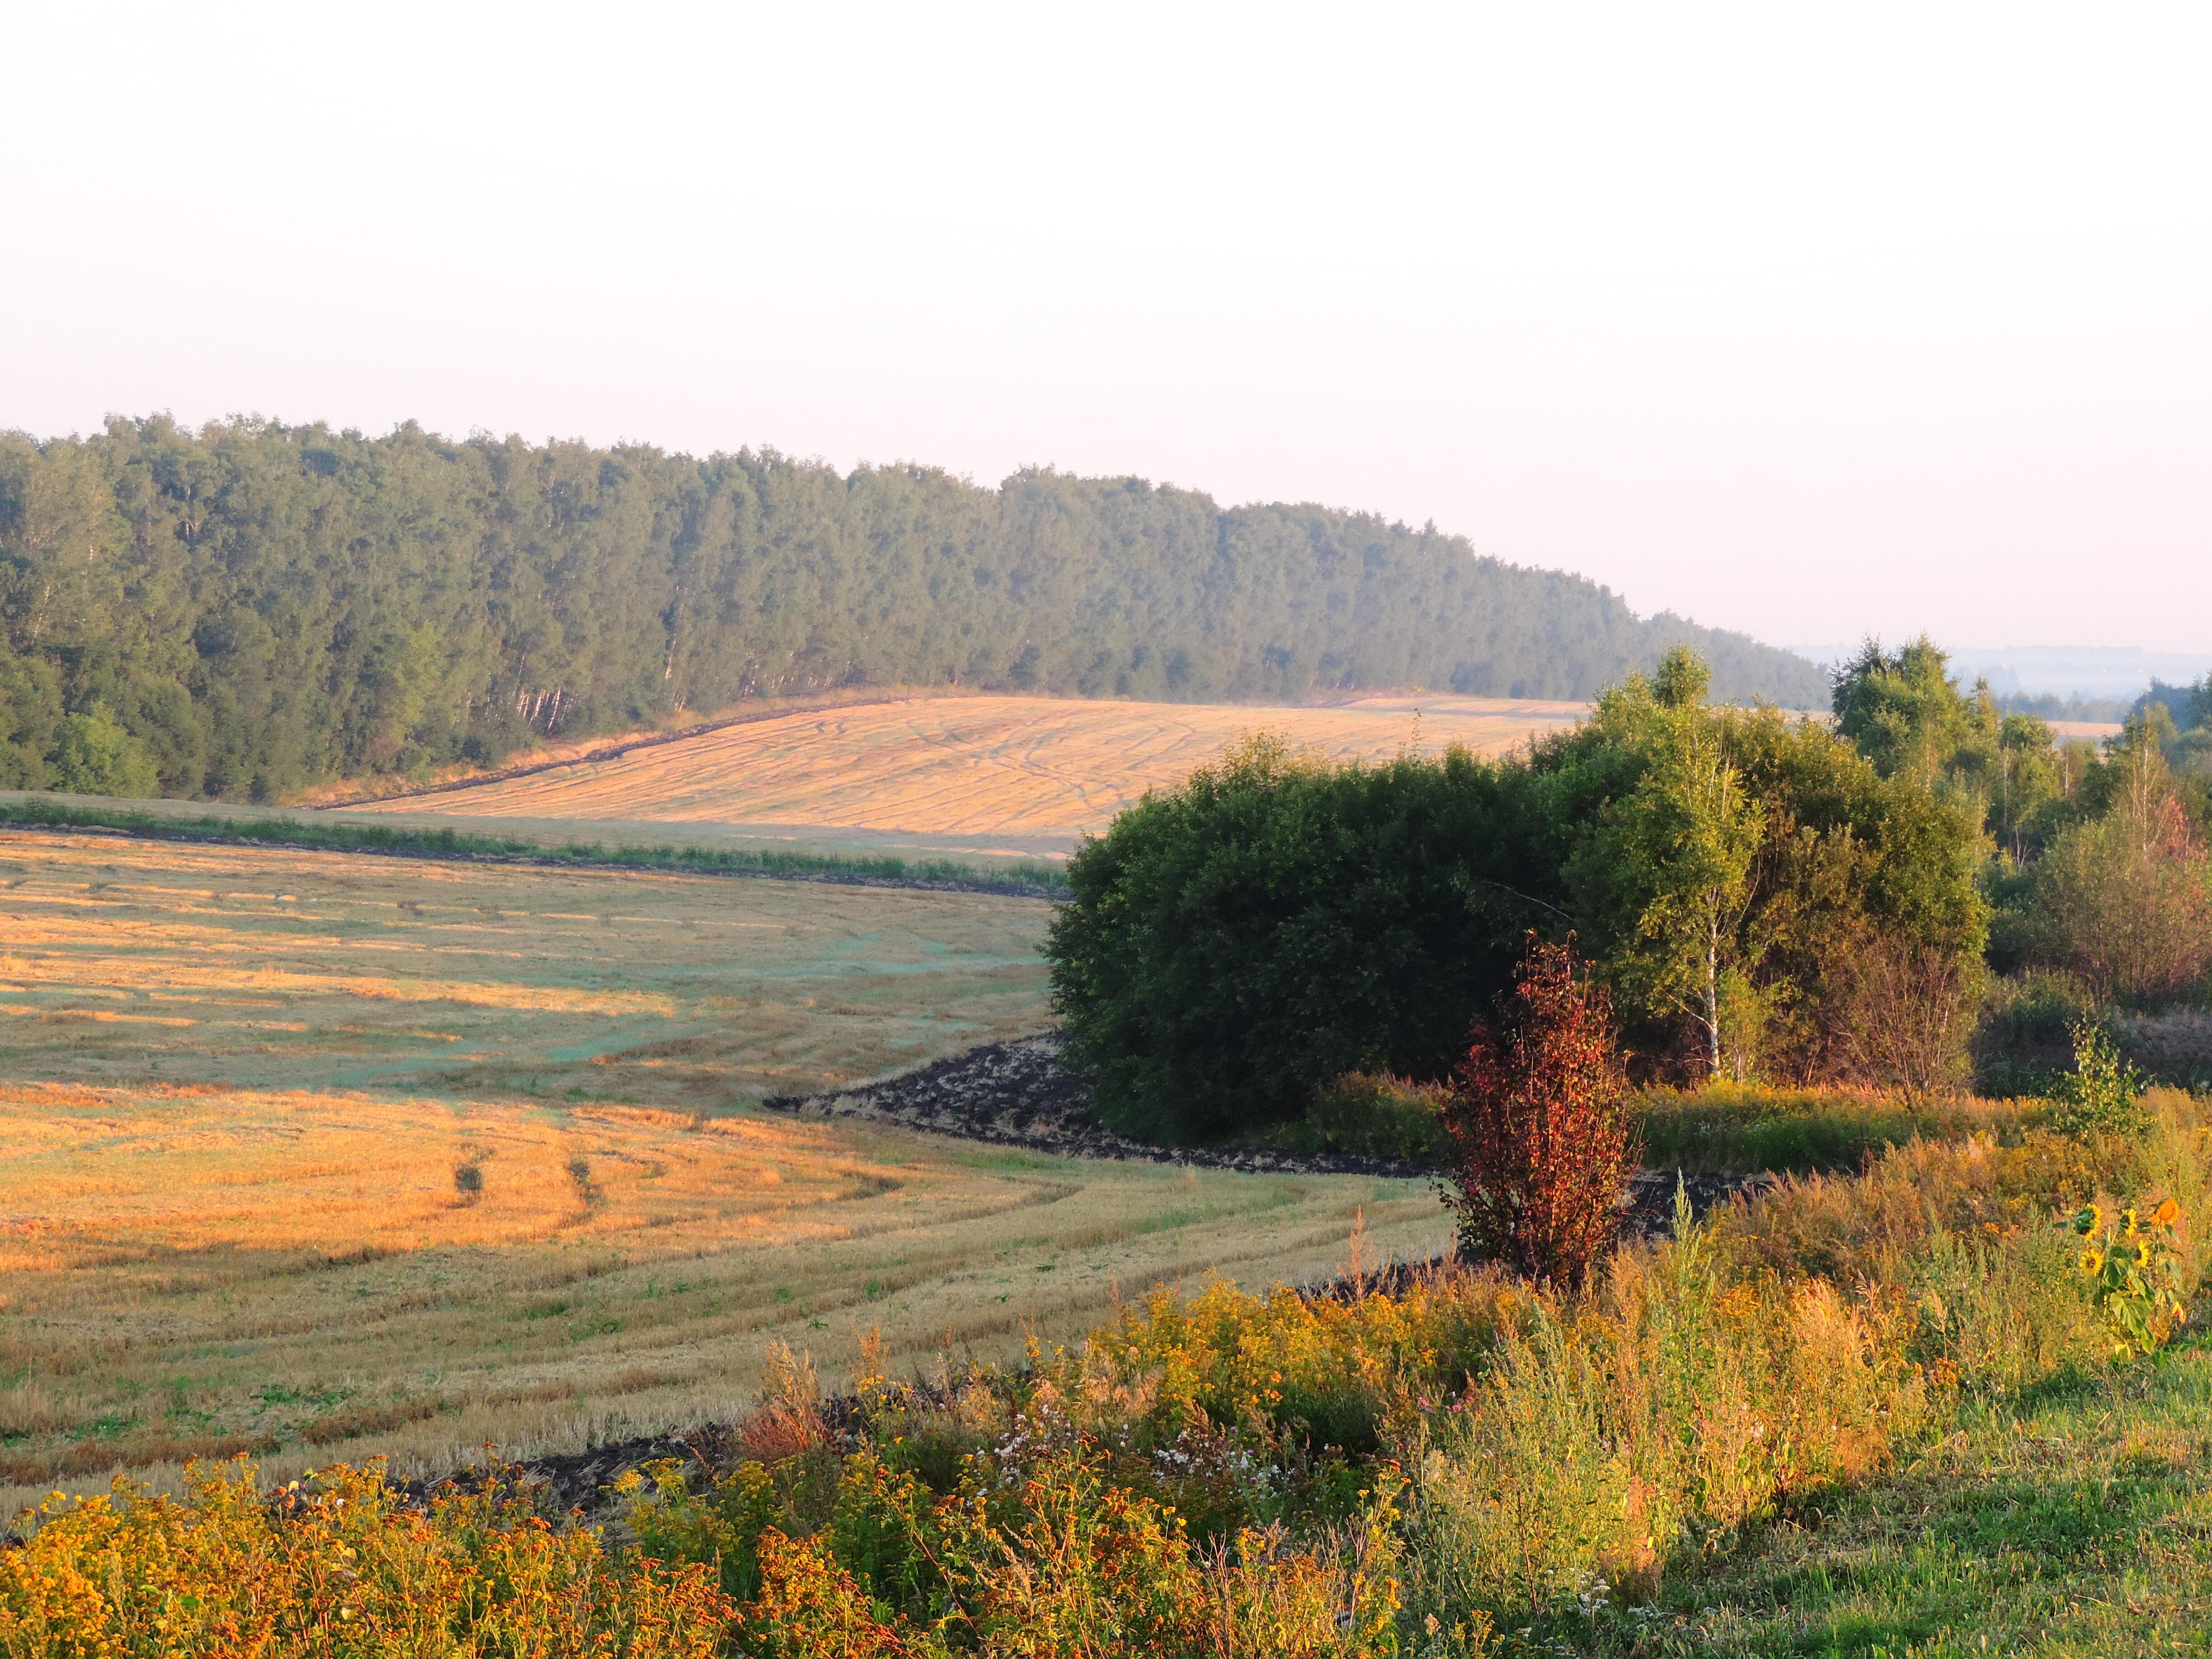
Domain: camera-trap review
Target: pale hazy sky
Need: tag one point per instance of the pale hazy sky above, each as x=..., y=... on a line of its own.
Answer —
x=1809, y=321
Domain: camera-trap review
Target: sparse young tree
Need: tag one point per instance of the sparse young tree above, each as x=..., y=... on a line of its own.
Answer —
x=1539, y=1124
x=1900, y=1012
x=2141, y=780
x=2028, y=777
x=2125, y=903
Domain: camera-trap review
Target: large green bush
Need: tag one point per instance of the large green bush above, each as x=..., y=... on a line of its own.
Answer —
x=1275, y=924
x=1235, y=945
x=96, y=757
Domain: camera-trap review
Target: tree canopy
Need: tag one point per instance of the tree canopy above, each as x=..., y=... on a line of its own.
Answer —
x=1234, y=945
x=256, y=607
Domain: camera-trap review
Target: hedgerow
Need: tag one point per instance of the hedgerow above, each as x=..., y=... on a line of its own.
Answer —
x=352, y=836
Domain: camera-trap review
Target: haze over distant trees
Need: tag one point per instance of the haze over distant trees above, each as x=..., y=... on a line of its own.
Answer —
x=252, y=608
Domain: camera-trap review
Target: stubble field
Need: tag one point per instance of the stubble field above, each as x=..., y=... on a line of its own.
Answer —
x=966, y=773
x=159, y=961
x=239, y=1090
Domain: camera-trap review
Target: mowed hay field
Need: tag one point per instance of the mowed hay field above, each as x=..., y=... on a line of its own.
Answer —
x=164, y=961
x=1004, y=774
x=239, y=1089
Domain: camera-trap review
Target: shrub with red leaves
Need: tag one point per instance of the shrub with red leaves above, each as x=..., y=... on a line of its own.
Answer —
x=1539, y=1118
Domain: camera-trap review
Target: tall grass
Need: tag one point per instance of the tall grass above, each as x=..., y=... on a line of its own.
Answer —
x=338, y=1568
x=1672, y=1405
x=1726, y=1129
x=1785, y=1348
x=1719, y=1129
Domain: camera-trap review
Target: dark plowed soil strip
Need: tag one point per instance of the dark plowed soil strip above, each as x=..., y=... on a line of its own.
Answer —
x=1019, y=1094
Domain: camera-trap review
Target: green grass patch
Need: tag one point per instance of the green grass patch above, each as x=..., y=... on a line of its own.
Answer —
x=1732, y=1130
x=2074, y=1520
x=1041, y=880
x=1722, y=1130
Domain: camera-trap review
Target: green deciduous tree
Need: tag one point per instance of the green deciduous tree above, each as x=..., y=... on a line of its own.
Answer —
x=1235, y=945
x=30, y=720
x=1903, y=711
x=93, y=756
x=2027, y=779
x=1718, y=861
x=1681, y=846
x=1905, y=714
x=2125, y=903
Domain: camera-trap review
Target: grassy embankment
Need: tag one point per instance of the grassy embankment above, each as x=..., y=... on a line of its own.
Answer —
x=1725, y=1129
x=350, y=835
x=1722, y=1129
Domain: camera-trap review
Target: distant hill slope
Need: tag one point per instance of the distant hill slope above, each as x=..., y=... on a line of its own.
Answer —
x=256, y=608
x=943, y=774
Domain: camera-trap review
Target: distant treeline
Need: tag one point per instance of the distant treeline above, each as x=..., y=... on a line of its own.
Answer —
x=2178, y=700
x=2049, y=706
x=254, y=608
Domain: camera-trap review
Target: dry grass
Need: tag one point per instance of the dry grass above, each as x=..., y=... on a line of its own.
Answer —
x=142, y=961
x=239, y=1086
x=1004, y=774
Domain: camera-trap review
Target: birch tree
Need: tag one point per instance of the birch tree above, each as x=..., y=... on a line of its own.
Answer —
x=1695, y=831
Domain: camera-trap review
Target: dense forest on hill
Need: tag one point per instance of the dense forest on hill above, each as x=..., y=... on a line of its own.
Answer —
x=252, y=608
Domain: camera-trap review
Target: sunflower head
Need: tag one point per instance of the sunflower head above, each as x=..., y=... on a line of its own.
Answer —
x=2089, y=1221
x=2134, y=1227
x=2092, y=1262
x=2166, y=1214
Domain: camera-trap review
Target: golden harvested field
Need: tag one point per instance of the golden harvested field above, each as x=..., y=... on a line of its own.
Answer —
x=983, y=774
x=148, y=960
x=237, y=1089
